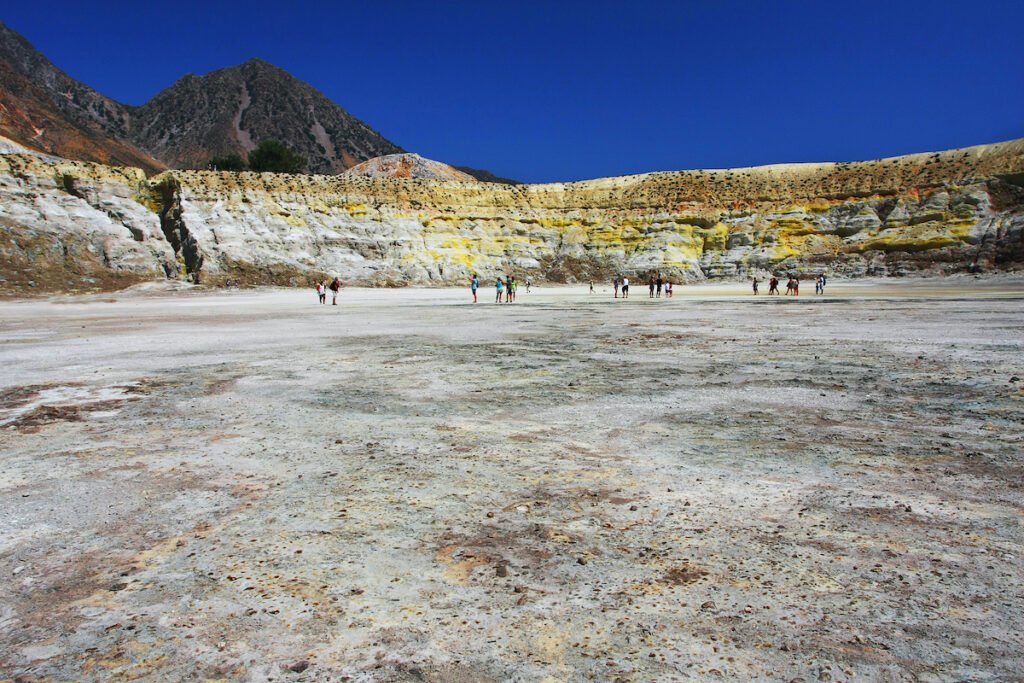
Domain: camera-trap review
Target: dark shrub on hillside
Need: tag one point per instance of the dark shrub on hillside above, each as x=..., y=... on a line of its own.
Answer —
x=271, y=156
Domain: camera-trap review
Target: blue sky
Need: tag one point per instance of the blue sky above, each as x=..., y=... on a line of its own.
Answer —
x=544, y=91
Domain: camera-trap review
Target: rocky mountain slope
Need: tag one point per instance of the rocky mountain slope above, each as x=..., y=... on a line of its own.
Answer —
x=226, y=111
x=232, y=110
x=74, y=225
x=45, y=109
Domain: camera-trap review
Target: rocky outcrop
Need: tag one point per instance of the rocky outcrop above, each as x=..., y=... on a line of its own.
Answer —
x=955, y=211
x=407, y=166
x=75, y=226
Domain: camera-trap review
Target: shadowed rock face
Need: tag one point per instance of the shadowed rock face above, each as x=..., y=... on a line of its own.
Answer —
x=954, y=211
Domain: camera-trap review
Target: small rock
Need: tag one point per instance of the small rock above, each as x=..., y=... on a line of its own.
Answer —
x=490, y=515
x=581, y=560
x=118, y=587
x=299, y=667
x=709, y=605
x=501, y=570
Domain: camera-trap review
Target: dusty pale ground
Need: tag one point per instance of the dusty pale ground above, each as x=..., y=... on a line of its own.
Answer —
x=250, y=486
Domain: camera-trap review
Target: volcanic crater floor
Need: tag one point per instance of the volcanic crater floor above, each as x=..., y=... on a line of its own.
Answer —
x=408, y=487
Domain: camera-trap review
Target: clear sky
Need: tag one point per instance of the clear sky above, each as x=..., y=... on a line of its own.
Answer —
x=544, y=91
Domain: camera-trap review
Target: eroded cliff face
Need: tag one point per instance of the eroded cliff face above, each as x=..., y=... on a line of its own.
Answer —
x=75, y=226
x=955, y=211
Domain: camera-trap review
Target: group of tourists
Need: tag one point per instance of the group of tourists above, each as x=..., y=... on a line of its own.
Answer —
x=505, y=288
x=322, y=287
x=792, y=285
x=655, y=285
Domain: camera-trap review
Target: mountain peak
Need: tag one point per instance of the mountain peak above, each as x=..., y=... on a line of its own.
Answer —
x=231, y=110
x=258, y=65
x=223, y=112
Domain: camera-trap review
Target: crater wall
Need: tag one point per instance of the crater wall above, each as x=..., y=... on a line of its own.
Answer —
x=73, y=223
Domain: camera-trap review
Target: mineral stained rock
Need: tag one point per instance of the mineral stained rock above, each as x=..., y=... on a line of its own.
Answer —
x=87, y=225
x=407, y=166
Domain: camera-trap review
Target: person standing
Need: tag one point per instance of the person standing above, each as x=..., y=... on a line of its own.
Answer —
x=473, y=285
x=625, y=288
x=773, y=285
x=498, y=287
x=796, y=286
x=650, y=288
x=321, y=293
x=615, y=284
x=754, y=283
x=510, y=289
x=668, y=289
x=659, y=283
x=528, y=283
x=335, y=288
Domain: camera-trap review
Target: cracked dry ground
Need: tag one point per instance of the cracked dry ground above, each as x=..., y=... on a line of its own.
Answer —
x=406, y=488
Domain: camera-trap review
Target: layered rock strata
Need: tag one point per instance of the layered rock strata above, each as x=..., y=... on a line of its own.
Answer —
x=67, y=226
x=954, y=211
